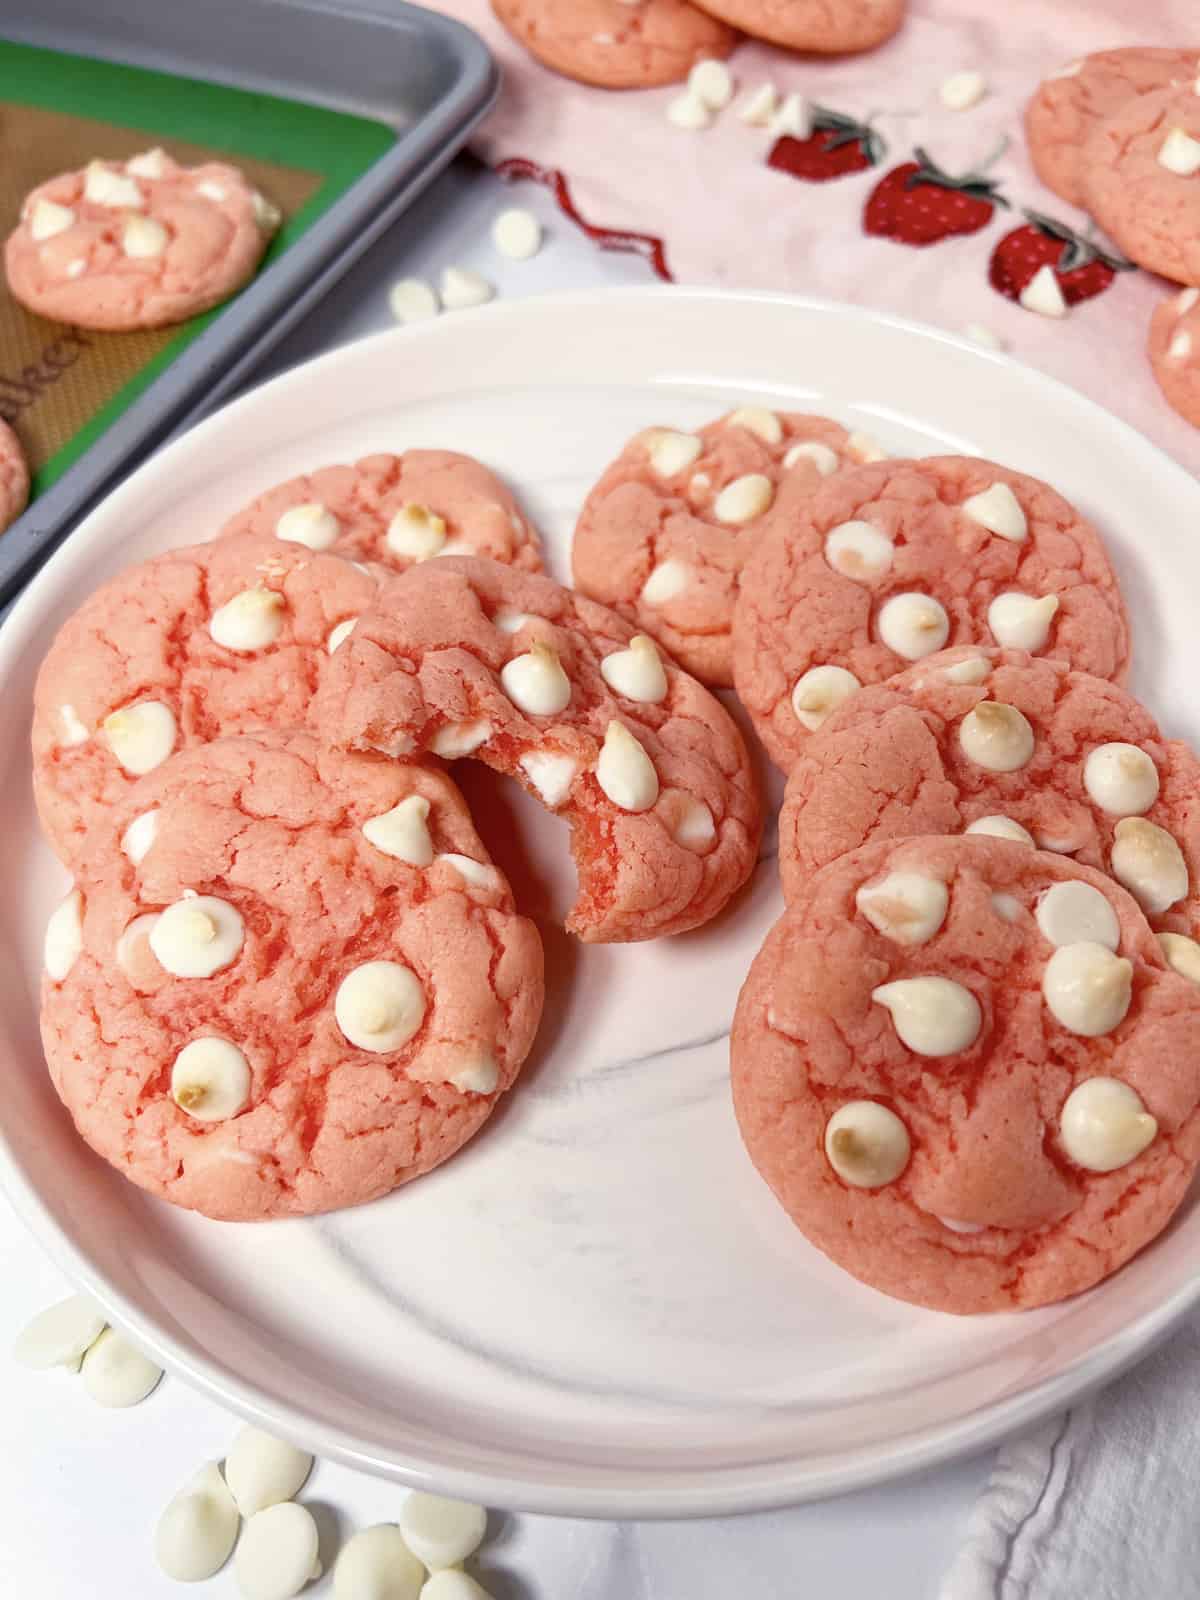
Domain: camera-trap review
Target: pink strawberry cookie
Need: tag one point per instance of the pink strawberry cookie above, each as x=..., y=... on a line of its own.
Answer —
x=814, y=25
x=664, y=534
x=468, y=658
x=1071, y=103
x=211, y=640
x=968, y=1074
x=1141, y=181
x=890, y=563
x=999, y=741
x=137, y=244
x=288, y=981
x=398, y=510
x=14, y=477
x=616, y=44
x=1175, y=352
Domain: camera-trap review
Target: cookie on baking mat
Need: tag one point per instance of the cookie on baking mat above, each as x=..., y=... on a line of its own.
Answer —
x=892, y=562
x=829, y=29
x=398, y=510
x=1174, y=351
x=289, y=980
x=1069, y=105
x=664, y=534
x=137, y=244
x=1005, y=743
x=968, y=1074
x=210, y=640
x=14, y=477
x=617, y=44
x=467, y=658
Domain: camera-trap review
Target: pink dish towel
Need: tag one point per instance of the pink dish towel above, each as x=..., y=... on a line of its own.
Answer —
x=711, y=211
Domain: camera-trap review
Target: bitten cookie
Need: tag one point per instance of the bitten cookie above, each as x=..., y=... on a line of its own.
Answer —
x=467, y=658
x=215, y=639
x=289, y=981
x=968, y=1074
x=890, y=563
x=831, y=27
x=1141, y=181
x=616, y=44
x=999, y=742
x=398, y=510
x=663, y=536
x=137, y=244
x=1069, y=105
x=1174, y=351
x=14, y=477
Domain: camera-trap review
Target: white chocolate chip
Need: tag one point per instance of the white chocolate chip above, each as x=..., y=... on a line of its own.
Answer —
x=858, y=550
x=1183, y=955
x=197, y=936
x=1077, y=913
x=933, y=1016
x=712, y=83
x=277, y=1554
x=689, y=111
x=1043, y=294
x=211, y=190
x=403, y=832
x=822, y=457
x=1185, y=300
x=263, y=1471
x=671, y=453
x=340, y=633
x=210, y=1080
x=1019, y=622
x=133, y=948
x=453, y=1584
x=667, y=580
x=63, y=939
x=1007, y=907
x=866, y=1144
x=376, y=1564
x=416, y=532
x=76, y=268
x=999, y=511
x=979, y=334
x=149, y=164
x=47, y=219
x=310, y=524
x=865, y=448
x=441, y=1532
x=139, y=836
x=458, y=739
x=971, y=669
x=1121, y=779
x=509, y=621
x=478, y=1074
x=962, y=90
x=997, y=827
x=758, y=108
x=637, y=671
x=116, y=1373
x=625, y=772
x=476, y=873
x=196, y=1533
x=1180, y=347
x=794, y=118
x=996, y=737
x=74, y=731
x=412, y=300
x=764, y=424
x=962, y=1227
x=699, y=486
x=461, y=288
x=1104, y=1125
x=141, y=737
x=695, y=827
x=906, y=907
x=104, y=187
x=267, y=216
x=536, y=683
x=1150, y=864
x=250, y=621
x=550, y=774
x=913, y=625
x=1071, y=70
x=819, y=692
x=1087, y=988
x=143, y=238
x=744, y=499
x=517, y=234
x=379, y=1006
x=1180, y=153
x=61, y=1335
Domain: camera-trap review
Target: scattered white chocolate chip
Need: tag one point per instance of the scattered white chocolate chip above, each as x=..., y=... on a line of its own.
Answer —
x=1019, y=622
x=116, y=1373
x=933, y=1016
x=858, y=550
x=63, y=939
x=998, y=827
x=1043, y=294
x=971, y=669
x=277, y=1554
x=250, y=621
x=1180, y=153
x=1183, y=955
x=1104, y=1125
x=1087, y=988
x=637, y=671
x=412, y=300
x=263, y=1471
x=1007, y=907
x=1185, y=300
x=139, y=836
x=143, y=238
x=962, y=90
x=666, y=580
x=61, y=1335
x=310, y=524
x=670, y=452
x=133, y=948
x=403, y=832
x=141, y=737
x=517, y=234
x=1180, y=347
x=764, y=424
x=536, y=683
x=996, y=737
x=979, y=334
x=452, y=1584
x=340, y=633
x=476, y=873
x=197, y=936
x=1121, y=779
x=441, y=1532
x=459, y=739
x=478, y=1074
x=376, y=1564
x=48, y=219
x=1150, y=864
x=906, y=907
x=689, y=111
x=1077, y=913
x=913, y=625
x=74, y=731
x=819, y=692
x=461, y=288
x=210, y=1079
x=865, y=448
x=866, y=1144
x=999, y=511
x=821, y=455
x=148, y=164
x=104, y=187
x=550, y=774
x=712, y=83
x=416, y=532
x=379, y=1006
x=759, y=106
x=695, y=827
x=794, y=118
x=744, y=499
x=625, y=772
x=196, y=1533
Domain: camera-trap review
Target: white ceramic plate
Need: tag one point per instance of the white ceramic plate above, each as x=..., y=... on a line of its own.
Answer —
x=597, y=1308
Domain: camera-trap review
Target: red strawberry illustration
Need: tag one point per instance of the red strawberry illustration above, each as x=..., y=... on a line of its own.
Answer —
x=836, y=147
x=918, y=203
x=1081, y=267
